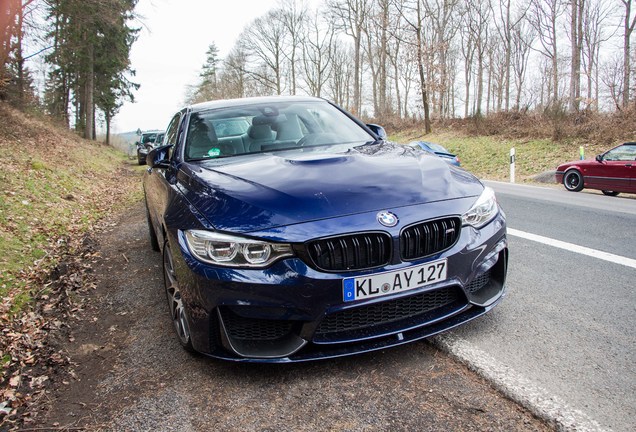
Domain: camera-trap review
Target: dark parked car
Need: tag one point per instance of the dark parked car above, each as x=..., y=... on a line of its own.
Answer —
x=304, y=235
x=147, y=141
x=438, y=150
x=611, y=172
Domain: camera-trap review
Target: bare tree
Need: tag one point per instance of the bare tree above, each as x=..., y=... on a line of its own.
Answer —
x=596, y=14
x=316, y=61
x=612, y=76
x=400, y=65
x=234, y=75
x=544, y=17
x=629, y=23
x=522, y=38
x=413, y=17
x=467, y=45
x=350, y=16
x=294, y=18
x=478, y=17
x=377, y=36
x=339, y=83
x=577, y=8
x=506, y=21
x=264, y=40
x=443, y=18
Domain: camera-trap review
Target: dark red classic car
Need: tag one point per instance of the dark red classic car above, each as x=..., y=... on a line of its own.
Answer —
x=611, y=172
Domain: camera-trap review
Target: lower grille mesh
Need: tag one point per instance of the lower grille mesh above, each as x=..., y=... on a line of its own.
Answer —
x=253, y=329
x=388, y=311
x=479, y=282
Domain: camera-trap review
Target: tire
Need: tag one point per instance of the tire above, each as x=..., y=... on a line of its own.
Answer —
x=140, y=161
x=154, y=242
x=176, y=307
x=573, y=180
x=610, y=193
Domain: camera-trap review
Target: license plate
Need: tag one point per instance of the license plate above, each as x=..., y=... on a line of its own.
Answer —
x=380, y=284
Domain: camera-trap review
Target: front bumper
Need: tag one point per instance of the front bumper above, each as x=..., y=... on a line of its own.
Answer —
x=292, y=312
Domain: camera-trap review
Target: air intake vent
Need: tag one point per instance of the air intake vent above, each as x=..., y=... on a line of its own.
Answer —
x=429, y=238
x=351, y=252
x=366, y=317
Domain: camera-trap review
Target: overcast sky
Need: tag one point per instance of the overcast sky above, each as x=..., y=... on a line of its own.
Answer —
x=171, y=50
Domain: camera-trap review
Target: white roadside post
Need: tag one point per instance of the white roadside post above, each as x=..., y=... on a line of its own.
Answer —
x=512, y=165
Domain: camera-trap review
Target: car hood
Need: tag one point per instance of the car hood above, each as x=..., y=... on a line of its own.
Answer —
x=576, y=163
x=257, y=192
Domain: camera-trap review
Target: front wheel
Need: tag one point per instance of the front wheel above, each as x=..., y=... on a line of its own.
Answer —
x=175, y=301
x=573, y=181
x=610, y=193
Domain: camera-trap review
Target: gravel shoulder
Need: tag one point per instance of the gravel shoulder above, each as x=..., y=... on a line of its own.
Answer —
x=131, y=374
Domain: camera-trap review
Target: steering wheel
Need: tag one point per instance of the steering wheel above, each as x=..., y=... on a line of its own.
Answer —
x=314, y=139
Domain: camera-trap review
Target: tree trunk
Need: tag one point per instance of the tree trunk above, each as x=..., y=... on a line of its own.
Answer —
x=420, y=66
x=89, y=89
x=107, y=128
x=629, y=28
x=508, y=49
x=576, y=35
x=356, y=73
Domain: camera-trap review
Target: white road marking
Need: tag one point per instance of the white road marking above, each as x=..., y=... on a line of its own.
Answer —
x=606, y=256
x=523, y=391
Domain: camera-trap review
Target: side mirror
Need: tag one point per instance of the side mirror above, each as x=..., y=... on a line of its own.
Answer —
x=158, y=157
x=378, y=130
x=599, y=158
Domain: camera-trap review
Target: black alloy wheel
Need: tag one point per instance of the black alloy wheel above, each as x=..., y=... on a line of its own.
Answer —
x=573, y=181
x=175, y=302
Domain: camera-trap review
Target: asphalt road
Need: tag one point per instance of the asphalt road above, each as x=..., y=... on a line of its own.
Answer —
x=562, y=342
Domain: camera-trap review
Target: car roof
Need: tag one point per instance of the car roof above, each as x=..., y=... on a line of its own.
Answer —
x=203, y=106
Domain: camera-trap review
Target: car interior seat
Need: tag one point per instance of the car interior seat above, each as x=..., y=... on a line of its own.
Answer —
x=259, y=133
x=201, y=139
x=288, y=128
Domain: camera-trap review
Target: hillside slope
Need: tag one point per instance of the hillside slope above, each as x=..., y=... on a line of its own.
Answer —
x=55, y=188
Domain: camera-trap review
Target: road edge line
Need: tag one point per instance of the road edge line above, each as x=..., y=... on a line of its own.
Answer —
x=594, y=253
x=511, y=384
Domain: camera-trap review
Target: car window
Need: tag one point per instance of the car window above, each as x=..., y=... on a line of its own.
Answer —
x=437, y=147
x=171, y=133
x=622, y=153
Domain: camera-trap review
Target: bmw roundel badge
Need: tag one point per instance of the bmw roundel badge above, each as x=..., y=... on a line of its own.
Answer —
x=387, y=219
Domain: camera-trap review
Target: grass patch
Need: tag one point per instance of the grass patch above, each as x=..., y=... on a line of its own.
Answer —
x=53, y=186
x=488, y=157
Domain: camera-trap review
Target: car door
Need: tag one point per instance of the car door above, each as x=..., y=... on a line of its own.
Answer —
x=630, y=164
x=158, y=188
x=612, y=170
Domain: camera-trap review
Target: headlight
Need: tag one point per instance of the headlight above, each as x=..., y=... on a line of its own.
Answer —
x=483, y=211
x=233, y=251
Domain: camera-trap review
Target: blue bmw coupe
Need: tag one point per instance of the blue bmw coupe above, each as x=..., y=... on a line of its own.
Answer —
x=292, y=231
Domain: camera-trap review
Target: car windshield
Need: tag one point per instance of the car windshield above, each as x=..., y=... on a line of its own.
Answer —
x=148, y=138
x=269, y=127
